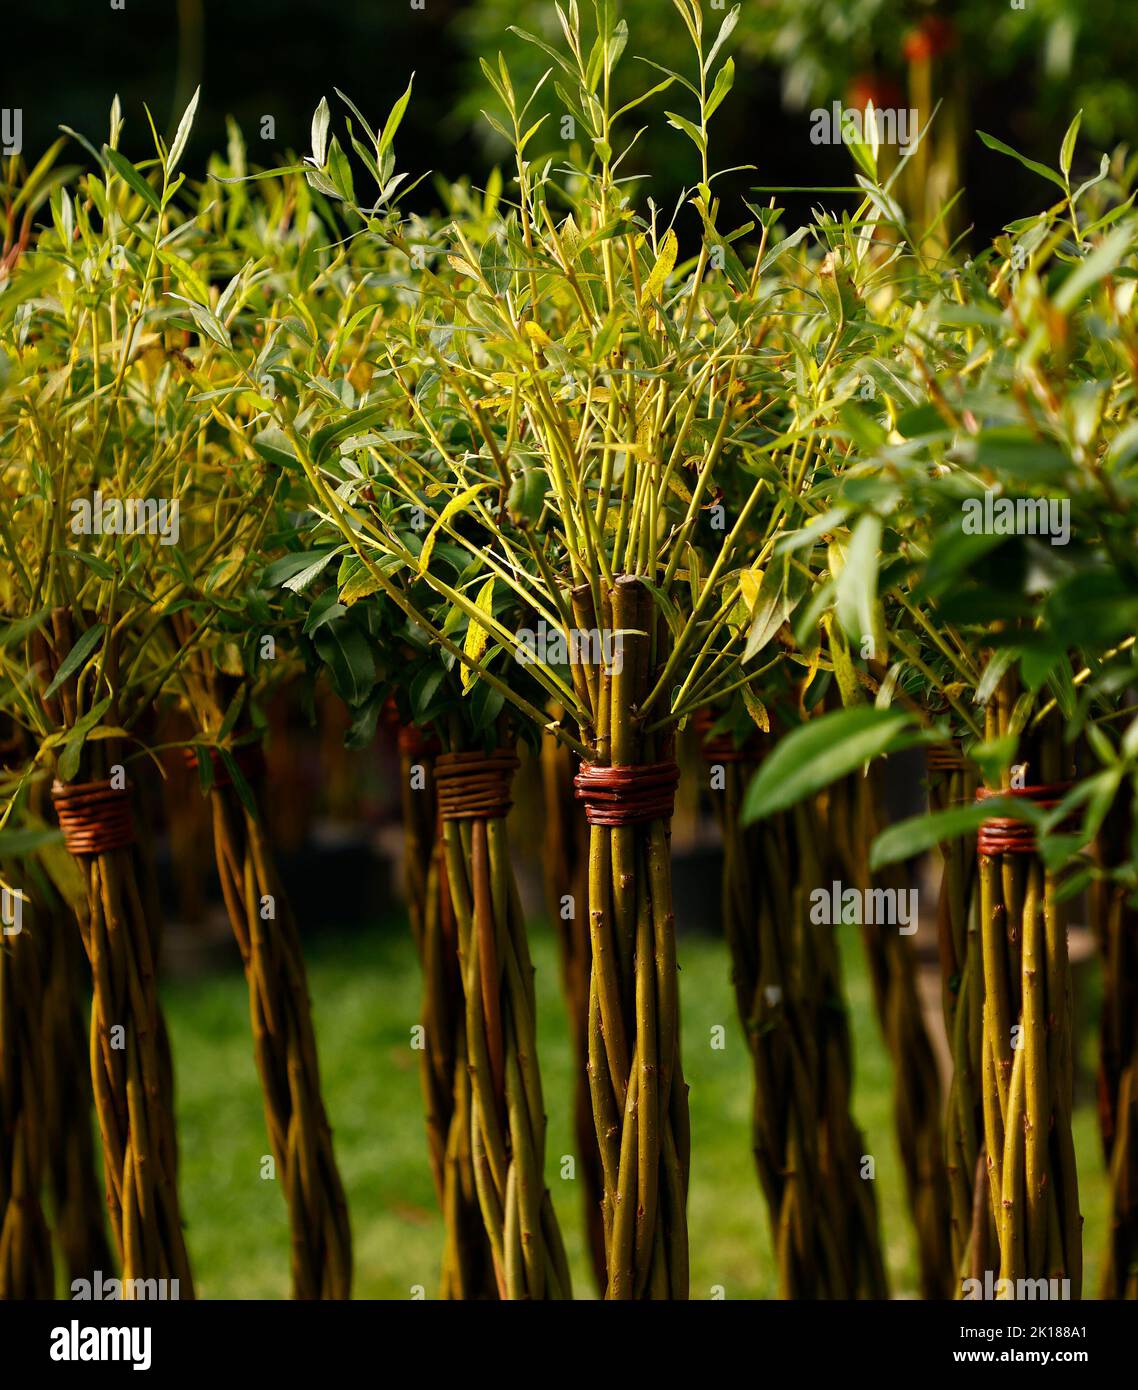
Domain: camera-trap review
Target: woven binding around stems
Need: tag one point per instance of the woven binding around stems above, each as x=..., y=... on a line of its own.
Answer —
x=467, y=1268
x=284, y=1043
x=475, y=786
x=627, y=795
x=95, y=817
x=640, y=1108
x=1028, y=1064
x=507, y=1115
x=1007, y=834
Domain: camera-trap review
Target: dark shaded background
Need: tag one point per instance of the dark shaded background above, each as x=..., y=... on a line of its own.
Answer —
x=278, y=57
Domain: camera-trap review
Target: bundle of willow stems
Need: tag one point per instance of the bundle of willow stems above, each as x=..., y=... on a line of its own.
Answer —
x=507, y=1115
x=1115, y=920
x=640, y=1105
x=1027, y=1058
x=43, y=1009
x=284, y=1039
x=467, y=1267
x=565, y=860
x=807, y=1147
x=26, y=1264
x=131, y=1067
x=854, y=819
x=952, y=782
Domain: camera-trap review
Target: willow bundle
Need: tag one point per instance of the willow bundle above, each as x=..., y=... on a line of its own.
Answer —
x=855, y=819
x=467, y=1270
x=1116, y=924
x=951, y=783
x=507, y=1117
x=58, y=983
x=26, y=1269
x=640, y=1107
x=565, y=860
x=284, y=1041
x=1028, y=1064
x=132, y=1071
x=809, y=1149
x=77, y=1203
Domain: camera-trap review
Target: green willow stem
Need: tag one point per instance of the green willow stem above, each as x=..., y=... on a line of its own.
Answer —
x=565, y=863
x=507, y=1117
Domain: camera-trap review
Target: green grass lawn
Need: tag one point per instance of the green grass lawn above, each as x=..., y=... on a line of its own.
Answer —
x=365, y=994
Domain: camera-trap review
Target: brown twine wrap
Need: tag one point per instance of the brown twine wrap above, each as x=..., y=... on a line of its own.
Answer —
x=248, y=757
x=474, y=786
x=94, y=816
x=616, y=796
x=720, y=748
x=1008, y=835
x=945, y=757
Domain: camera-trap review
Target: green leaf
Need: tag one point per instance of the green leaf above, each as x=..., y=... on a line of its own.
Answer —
x=303, y=577
x=348, y=655
x=17, y=631
x=1098, y=265
x=240, y=785
x=393, y=121
x=919, y=833
x=320, y=121
x=340, y=172
x=691, y=131
x=1041, y=169
x=68, y=764
x=818, y=753
x=855, y=594
x=76, y=657
x=724, y=81
x=726, y=29
x=282, y=570
x=182, y=134
x=17, y=844
x=274, y=447
x=131, y=177
x=1068, y=151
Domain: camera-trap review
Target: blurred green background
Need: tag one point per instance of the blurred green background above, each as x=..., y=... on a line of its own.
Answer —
x=365, y=989
x=1020, y=72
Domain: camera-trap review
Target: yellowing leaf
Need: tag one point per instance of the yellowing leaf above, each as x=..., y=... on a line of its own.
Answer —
x=456, y=504
x=360, y=585
x=476, y=634
x=536, y=334
x=756, y=709
x=666, y=259
x=749, y=582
